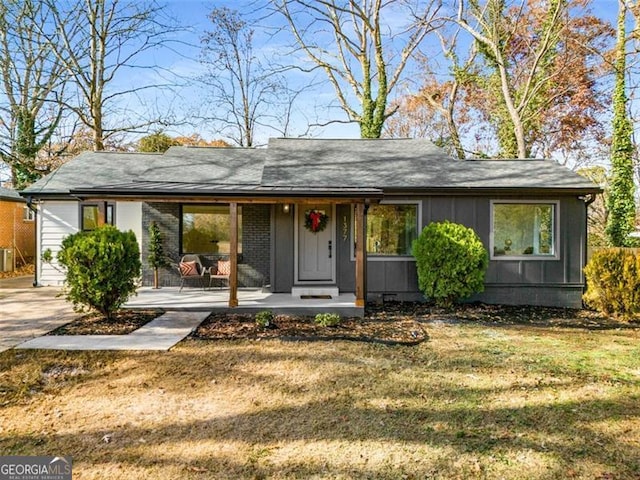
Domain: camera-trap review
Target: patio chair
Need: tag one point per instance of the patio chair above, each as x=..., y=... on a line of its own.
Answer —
x=220, y=271
x=191, y=269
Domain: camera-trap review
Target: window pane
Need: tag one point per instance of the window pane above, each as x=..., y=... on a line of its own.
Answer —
x=391, y=229
x=523, y=229
x=28, y=214
x=109, y=219
x=90, y=215
x=205, y=229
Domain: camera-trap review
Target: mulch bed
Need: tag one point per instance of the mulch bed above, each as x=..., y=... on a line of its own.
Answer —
x=221, y=326
x=401, y=323
x=123, y=323
x=390, y=323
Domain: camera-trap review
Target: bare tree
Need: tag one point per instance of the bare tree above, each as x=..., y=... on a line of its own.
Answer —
x=360, y=53
x=436, y=110
x=100, y=42
x=243, y=94
x=33, y=82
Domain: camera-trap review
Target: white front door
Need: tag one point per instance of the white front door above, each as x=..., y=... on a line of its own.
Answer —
x=316, y=250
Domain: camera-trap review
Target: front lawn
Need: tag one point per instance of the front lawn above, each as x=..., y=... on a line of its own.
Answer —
x=490, y=400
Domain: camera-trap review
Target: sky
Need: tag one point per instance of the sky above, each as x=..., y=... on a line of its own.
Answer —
x=179, y=65
x=184, y=62
x=180, y=62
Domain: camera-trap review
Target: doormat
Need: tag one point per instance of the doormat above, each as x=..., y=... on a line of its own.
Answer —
x=315, y=297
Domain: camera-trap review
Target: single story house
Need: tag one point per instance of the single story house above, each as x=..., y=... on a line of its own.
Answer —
x=317, y=217
x=17, y=230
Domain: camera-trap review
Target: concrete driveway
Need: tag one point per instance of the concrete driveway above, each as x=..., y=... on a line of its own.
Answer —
x=27, y=312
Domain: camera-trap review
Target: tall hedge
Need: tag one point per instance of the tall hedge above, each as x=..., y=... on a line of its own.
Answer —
x=102, y=268
x=451, y=262
x=613, y=282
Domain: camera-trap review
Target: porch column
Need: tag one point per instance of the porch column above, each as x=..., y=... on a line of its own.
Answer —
x=233, y=254
x=361, y=260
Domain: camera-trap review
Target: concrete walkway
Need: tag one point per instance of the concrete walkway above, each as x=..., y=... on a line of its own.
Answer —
x=29, y=312
x=159, y=334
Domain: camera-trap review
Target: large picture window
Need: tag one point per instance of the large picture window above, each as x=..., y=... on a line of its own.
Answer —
x=524, y=229
x=205, y=229
x=391, y=229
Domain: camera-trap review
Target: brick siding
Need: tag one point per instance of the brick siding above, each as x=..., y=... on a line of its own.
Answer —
x=254, y=262
x=16, y=233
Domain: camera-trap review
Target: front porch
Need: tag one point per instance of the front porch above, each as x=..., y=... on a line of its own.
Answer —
x=250, y=300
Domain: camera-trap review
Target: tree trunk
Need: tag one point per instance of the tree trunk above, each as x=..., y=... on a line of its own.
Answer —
x=155, y=279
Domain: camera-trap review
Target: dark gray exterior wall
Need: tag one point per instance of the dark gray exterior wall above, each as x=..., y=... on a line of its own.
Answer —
x=167, y=216
x=538, y=282
x=551, y=282
x=282, y=250
x=345, y=266
x=254, y=262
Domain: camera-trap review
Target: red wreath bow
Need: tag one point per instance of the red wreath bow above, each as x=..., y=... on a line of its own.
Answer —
x=315, y=217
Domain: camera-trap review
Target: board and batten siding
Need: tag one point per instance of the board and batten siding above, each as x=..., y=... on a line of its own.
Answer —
x=57, y=219
x=554, y=282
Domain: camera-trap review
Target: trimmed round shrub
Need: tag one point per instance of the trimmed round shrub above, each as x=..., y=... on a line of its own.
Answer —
x=613, y=282
x=451, y=262
x=102, y=268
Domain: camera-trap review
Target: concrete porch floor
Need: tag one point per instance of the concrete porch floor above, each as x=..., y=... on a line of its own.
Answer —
x=249, y=300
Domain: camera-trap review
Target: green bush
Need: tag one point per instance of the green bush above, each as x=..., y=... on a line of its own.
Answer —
x=102, y=267
x=265, y=318
x=327, y=319
x=613, y=282
x=451, y=262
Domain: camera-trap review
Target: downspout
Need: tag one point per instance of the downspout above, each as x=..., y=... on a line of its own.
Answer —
x=588, y=200
x=34, y=209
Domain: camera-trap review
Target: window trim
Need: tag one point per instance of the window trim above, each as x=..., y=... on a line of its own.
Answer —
x=530, y=257
x=28, y=215
x=387, y=258
x=181, y=228
x=102, y=213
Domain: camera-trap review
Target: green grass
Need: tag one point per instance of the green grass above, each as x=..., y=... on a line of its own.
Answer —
x=471, y=402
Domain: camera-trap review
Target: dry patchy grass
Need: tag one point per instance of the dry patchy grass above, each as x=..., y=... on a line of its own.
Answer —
x=474, y=401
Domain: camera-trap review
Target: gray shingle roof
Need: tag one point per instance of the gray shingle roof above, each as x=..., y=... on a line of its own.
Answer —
x=224, y=166
x=298, y=164
x=404, y=164
x=10, y=195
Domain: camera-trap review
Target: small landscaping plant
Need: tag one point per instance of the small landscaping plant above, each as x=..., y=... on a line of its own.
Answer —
x=264, y=319
x=451, y=262
x=613, y=282
x=102, y=267
x=156, y=256
x=327, y=319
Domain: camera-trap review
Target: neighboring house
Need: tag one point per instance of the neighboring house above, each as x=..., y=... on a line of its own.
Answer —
x=379, y=194
x=17, y=230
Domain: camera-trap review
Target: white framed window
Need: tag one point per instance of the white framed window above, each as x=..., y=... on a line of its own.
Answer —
x=524, y=229
x=28, y=215
x=392, y=226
